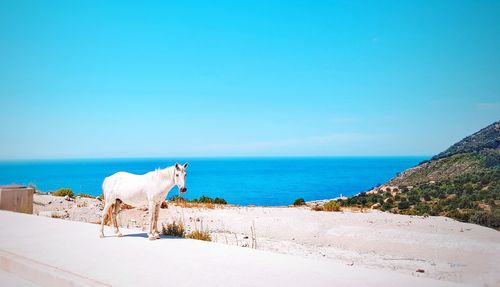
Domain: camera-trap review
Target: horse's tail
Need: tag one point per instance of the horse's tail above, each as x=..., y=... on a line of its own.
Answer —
x=107, y=219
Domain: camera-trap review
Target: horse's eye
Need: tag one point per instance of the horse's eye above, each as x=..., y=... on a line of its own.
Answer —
x=177, y=175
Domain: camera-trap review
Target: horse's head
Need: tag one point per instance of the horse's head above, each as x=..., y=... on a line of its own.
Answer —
x=180, y=176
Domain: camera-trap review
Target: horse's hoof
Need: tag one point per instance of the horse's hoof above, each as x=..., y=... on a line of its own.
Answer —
x=101, y=235
x=151, y=237
x=157, y=236
x=119, y=234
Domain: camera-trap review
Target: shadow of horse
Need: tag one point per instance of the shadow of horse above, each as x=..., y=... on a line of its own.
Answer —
x=145, y=235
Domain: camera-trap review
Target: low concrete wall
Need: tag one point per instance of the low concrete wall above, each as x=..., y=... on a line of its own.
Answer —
x=16, y=198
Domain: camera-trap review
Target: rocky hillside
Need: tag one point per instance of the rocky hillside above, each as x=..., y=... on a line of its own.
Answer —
x=475, y=153
x=485, y=139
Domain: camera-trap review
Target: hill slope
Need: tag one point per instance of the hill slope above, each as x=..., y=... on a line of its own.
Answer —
x=485, y=139
x=476, y=153
x=463, y=182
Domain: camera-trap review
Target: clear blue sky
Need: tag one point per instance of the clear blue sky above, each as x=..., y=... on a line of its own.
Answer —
x=87, y=79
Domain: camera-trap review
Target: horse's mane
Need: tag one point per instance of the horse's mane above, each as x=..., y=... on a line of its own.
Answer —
x=165, y=172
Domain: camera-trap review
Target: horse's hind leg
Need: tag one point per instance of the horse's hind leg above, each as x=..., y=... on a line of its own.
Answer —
x=151, y=208
x=107, y=206
x=116, y=208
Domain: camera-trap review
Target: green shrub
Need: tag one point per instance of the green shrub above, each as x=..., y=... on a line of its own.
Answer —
x=199, y=235
x=299, y=201
x=386, y=206
x=203, y=199
x=63, y=192
x=489, y=219
x=404, y=204
x=206, y=199
x=218, y=200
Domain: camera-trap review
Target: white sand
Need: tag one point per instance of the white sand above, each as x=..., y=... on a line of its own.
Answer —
x=445, y=249
x=56, y=253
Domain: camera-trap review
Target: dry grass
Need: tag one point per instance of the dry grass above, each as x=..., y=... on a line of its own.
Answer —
x=331, y=205
x=177, y=229
x=82, y=204
x=63, y=192
x=173, y=229
x=318, y=207
x=187, y=204
x=199, y=235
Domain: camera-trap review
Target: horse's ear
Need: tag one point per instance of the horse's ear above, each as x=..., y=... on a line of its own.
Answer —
x=177, y=166
x=185, y=165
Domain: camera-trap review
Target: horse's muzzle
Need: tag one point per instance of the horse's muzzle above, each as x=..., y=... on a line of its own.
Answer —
x=183, y=190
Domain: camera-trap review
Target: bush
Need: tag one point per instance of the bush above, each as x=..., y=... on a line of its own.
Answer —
x=206, y=199
x=218, y=200
x=331, y=205
x=299, y=202
x=318, y=208
x=203, y=199
x=85, y=195
x=199, y=235
x=386, y=206
x=63, y=192
x=404, y=204
x=489, y=219
x=173, y=229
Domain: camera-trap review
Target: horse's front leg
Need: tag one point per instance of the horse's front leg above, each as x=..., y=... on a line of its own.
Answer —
x=157, y=214
x=151, y=208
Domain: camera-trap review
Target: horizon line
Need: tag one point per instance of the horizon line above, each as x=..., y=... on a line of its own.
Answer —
x=207, y=157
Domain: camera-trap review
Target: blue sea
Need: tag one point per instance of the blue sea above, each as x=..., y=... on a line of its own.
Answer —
x=243, y=181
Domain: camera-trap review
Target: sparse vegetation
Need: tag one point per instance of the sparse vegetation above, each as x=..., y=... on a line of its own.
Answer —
x=63, y=192
x=199, y=235
x=203, y=201
x=299, y=202
x=177, y=230
x=85, y=195
x=173, y=229
x=206, y=199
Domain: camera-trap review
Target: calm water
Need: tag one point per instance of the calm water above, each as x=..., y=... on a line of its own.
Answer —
x=259, y=181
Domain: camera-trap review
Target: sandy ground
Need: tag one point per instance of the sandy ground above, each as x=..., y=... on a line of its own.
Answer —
x=54, y=252
x=442, y=248
x=10, y=280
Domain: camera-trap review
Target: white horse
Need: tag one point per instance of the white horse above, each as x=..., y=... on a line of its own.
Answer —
x=150, y=188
